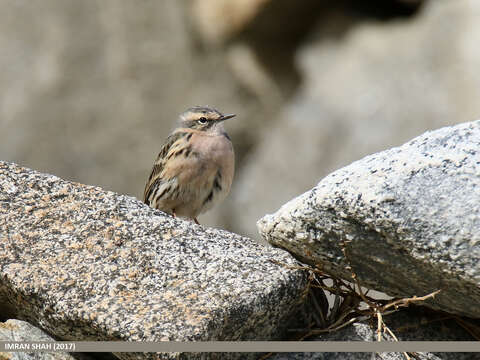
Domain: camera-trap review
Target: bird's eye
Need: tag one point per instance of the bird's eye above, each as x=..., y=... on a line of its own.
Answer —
x=202, y=120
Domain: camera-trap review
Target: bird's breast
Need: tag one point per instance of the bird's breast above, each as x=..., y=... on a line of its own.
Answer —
x=216, y=149
x=217, y=156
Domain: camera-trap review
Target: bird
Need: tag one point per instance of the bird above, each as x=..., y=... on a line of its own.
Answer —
x=195, y=167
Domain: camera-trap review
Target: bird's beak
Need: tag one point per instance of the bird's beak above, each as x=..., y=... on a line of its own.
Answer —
x=226, y=117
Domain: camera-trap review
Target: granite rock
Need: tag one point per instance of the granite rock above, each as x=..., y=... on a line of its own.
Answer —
x=87, y=264
x=409, y=218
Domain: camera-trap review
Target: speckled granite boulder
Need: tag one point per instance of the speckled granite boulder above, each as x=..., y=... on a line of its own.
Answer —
x=410, y=215
x=87, y=264
x=17, y=330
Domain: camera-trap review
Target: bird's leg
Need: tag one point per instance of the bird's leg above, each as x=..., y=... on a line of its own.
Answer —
x=173, y=213
x=196, y=221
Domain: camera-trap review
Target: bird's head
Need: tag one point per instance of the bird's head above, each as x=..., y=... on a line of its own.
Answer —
x=204, y=118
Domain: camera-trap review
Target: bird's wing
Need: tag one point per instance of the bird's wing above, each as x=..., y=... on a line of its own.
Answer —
x=173, y=143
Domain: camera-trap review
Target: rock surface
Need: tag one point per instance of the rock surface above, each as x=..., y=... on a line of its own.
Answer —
x=410, y=217
x=87, y=264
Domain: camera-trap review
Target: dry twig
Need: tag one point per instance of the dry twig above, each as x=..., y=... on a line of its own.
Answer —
x=348, y=298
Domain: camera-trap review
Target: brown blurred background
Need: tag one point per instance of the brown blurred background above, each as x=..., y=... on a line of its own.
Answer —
x=90, y=89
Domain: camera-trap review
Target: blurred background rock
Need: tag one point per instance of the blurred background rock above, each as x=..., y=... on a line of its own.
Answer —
x=90, y=89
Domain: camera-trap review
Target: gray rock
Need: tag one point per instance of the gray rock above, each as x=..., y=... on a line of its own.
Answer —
x=411, y=325
x=410, y=217
x=17, y=330
x=87, y=264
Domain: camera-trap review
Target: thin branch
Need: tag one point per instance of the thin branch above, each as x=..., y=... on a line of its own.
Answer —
x=406, y=301
x=379, y=325
x=347, y=312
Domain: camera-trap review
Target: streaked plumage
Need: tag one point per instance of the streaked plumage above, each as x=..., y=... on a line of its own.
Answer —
x=194, y=169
